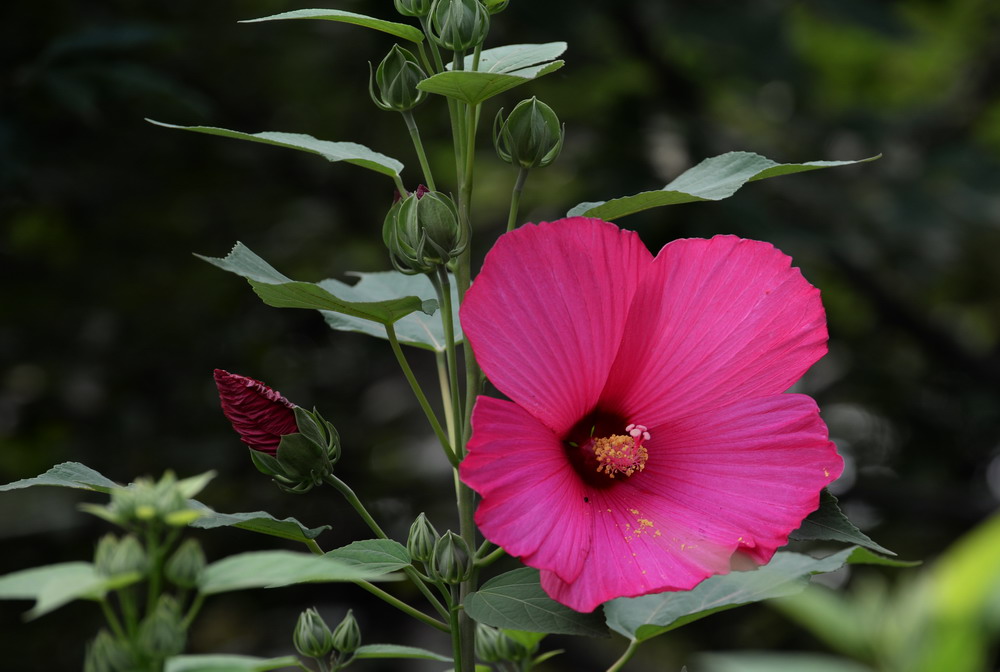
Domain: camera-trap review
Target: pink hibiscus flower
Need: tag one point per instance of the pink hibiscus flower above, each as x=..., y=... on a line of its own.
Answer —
x=260, y=415
x=649, y=437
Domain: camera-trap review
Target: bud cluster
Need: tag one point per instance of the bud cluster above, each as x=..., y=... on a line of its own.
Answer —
x=423, y=232
x=149, y=502
x=312, y=637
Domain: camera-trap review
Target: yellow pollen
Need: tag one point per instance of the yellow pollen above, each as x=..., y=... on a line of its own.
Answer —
x=619, y=454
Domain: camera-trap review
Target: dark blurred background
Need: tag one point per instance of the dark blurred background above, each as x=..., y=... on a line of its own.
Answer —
x=110, y=328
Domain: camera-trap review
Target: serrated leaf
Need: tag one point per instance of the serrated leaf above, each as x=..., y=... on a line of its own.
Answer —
x=401, y=30
x=643, y=618
x=67, y=475
x=256, y=521
x=417, y=329
x=475, y=87
x=228, y=663
x=713, y=179
x=279, y=291
x=514, y=57
x=396, y=651
x=52, y=586
x=375, y=555
x=829, y=523
x=516, y=601
x=272, y=569
x=349, y=152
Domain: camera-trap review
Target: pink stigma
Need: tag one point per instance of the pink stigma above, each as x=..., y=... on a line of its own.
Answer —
x=620, y=453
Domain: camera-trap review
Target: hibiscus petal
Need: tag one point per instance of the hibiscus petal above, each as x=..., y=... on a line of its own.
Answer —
x=533, y=502
x=545, y=315
x=712, y=322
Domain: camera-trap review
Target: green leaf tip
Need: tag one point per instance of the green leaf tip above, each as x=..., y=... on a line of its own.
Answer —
x=400, y=30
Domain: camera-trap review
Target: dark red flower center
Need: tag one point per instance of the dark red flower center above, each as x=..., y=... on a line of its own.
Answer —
x=603, y=446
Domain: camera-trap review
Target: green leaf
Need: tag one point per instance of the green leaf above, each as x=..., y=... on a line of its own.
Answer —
x=516, y=601
x=256, y=521
x=374, y=555
x=642, y=618
x=67, y=475
x=349, y=152
x=829, y=523
x=475, y=87
x=515, y=57
x=417, y=329
x=752, y=661
x=711, y=180
x=52, y=586
x=228, y=663
x=279, y=291
x=396, y=651
x=271, y=569
x=401, y=30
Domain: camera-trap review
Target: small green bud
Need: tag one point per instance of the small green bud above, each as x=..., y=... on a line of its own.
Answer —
x=452, y=561
x=397, y=77
x=422, y=539
x=531, y=137
x=115, y=557
x=459, y=24
x=347, y=635
x=423, y=232
x=312, y=637
x=162, y=633
x=487, y=639
x=105, y=550
x=496, y=6
x=413, y=7
x=107, y=654
x=185, y=566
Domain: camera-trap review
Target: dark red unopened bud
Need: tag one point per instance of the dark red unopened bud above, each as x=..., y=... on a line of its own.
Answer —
x=260, y=415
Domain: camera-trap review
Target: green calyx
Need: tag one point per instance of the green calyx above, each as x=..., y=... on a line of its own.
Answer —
x=423, y=232
x=495, y=6
x=347, y=634
x=115, y=557
x=420, y=543
x=452, y=561
x=459, y=25
x=397, y=77
x=531, y=137
x=305, y=458
x=416, y=8
x=312, y=636
x=185, y=566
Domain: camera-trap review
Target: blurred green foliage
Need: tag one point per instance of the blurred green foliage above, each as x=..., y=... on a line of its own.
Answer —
x=110, y=328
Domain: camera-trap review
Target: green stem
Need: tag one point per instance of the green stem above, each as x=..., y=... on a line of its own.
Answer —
x=313, y=547
x=515, y=197
x=127, y=600
x=199, y=599
x=404, y=607
x=423, y=57
x=399, y=184
x=449, y=414
x=633, y=646
x=457, y=634
x=411, y=126
x=491, y=558
x=410, y=572
x=153, y=553
x=112, y=619
x=442, y=283
x=419, y=394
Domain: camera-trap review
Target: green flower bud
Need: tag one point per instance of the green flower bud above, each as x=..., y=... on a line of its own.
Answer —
x=304, y=458
x=347, y=635
x=459, y=24
x=487, y=639
x=397, y=77
x=423, y=232
x=413, y=7
x=162, y=633
x=107, y=654
x=422, y=539
x=115, y=557
x=312, y=636
x=531, y=137
x=185, y=566
x=452, y=561
x=146, y=501
x=496, y=6
x=105, y=550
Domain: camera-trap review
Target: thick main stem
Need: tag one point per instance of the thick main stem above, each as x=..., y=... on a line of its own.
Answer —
x=411, y=126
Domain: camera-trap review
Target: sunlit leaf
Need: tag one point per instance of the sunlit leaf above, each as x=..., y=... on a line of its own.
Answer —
x=52, y=586
x=402, y=30
x=228, y=663
x=514, y=57
x=67, y=475
x=475, y=87
x=271, y=569
x=374, y=555
x=397, y=651
x=711, y=180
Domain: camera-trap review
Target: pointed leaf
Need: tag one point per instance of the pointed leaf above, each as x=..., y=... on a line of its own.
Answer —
x=516, y=601
x=374, y=555
x=256, y=521
x=711, y=180
x=271, y=569
x=277, y=290
x=52, y=586
x=350, y=152
x=475, y=87
x=829, y=523
x=642, y=618
x=67, y=475
x=514, y=57
x=417, y=329
x=228, y=663
x=402, y=30
x=396, y=651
